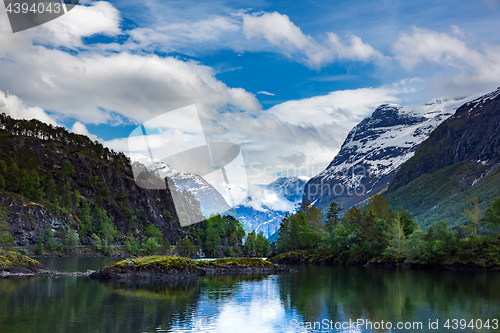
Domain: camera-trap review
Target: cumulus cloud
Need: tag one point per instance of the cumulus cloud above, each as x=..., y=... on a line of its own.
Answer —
x=300, y=137
x=13, y=106
x=472, y=70
x=100, y=87
x=79, y=128
x=278, y=30
x=92, y=87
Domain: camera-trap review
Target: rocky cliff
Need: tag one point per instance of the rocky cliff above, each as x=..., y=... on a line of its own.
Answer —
x=52, y=179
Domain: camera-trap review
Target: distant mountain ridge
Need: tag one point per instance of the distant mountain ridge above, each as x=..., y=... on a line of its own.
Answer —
x=459, y=160
x=256, y=215
x=375, y=149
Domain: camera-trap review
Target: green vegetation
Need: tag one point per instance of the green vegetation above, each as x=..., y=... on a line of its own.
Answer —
x=439, y=195
x=6, y=239
x=223, y=236
x=180, y=263
x=377, y=235
x=185, y=248
x=91, y=191
x=10, y=259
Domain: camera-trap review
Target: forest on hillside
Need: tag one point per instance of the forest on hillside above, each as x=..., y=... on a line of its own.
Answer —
x=374, y=234
x=61, y=191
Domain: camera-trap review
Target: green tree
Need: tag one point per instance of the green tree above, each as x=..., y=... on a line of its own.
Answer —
x=150, y=247
x=72, y=240
x=407, y=221
x=212, y=239
x=492, y=214
x=262, y=245
x=415, y=248
x=332, y=217
x=154, y=232
x=6, y=239
x=250, y=244
x=68, y=169
x=185, y=248
x=132, y=244
x=50, y=241
x=85, y=218
x=39, y=249
x=51, y=191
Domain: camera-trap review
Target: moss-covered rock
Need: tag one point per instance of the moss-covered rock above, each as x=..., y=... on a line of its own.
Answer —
x=172, y=268
x=12, y=262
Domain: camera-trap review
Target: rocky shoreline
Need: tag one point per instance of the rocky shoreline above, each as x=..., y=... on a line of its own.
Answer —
x=161, y=268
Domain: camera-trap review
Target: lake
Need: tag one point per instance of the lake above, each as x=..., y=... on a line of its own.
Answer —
x=323, y=297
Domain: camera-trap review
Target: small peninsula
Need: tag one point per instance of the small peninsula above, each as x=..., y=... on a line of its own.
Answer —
x=163, y=268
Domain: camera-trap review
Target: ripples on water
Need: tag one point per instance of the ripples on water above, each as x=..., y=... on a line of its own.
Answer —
x=245, y=304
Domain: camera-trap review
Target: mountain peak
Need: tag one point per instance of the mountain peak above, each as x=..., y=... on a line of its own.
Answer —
x=375, y=149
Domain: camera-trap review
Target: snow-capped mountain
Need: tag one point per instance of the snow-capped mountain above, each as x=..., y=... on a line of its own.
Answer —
x=211, y=201
x=263, y=211
x=458, y=161
x=375, y=149
x=289, y=188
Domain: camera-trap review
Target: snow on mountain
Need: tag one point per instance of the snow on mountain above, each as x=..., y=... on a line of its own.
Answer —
x=375, y=149
x=268, y=204
x=211, y=201
x=262, y=211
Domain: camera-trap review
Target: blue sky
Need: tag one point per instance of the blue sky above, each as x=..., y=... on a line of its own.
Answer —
x=286, y=80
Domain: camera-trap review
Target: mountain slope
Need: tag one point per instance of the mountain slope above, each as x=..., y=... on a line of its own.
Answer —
x=375, y=149
x=459, y=160
x=52, y=179
x=211, y=201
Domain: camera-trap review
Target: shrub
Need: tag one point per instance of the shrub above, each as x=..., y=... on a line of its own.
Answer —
x=185, y=248
x=150, y=247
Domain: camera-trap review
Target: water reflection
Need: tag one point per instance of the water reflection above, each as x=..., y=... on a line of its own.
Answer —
x=246, y=304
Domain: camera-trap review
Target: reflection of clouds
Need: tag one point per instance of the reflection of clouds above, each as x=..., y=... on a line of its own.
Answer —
x=255, y=307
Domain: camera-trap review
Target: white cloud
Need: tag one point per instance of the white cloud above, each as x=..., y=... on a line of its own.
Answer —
x=284, y=34
x=182, y=36
x=344, y=108
x=471, y=70
x=79, y=128
x=99, y=17
x=266, y=93
x=300, y=138
x=13, y=106
x=90, y=86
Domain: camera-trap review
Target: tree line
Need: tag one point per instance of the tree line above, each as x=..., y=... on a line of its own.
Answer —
x=376, y=234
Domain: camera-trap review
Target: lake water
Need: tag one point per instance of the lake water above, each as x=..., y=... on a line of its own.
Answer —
x=279, y=303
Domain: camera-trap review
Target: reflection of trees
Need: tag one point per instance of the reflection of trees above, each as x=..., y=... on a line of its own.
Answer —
x=81, y=305
x=381, y=294
x=72, y=304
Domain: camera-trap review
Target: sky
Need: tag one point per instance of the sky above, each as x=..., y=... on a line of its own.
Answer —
x=284, y=80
